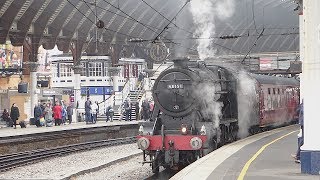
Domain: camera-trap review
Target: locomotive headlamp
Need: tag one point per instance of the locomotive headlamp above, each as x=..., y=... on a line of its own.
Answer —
x=196, y=143
x=143, y=143
x=203, y=130
x=184, y=129
x=141, y=130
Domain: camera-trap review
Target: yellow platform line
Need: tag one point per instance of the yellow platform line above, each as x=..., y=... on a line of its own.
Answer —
x=247, y=165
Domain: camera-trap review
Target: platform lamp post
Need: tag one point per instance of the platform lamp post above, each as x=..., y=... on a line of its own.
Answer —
x=310, y=151
x=77, y=89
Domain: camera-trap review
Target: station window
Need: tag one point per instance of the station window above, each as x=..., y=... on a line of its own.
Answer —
x=99, y=69
x=278, y=91
x=83, y=70
x=274, y=90
x=95, y=69
x=269, y=91
x=65, y=70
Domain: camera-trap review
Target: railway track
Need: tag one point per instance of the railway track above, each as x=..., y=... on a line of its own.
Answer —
x=10, y=161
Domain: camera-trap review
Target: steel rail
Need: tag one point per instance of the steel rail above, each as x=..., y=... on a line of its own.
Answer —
x=9, y=161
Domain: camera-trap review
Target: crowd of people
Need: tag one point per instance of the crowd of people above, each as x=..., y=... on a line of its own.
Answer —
x=44, y=115
x=91, y=111
x=60, y=113
x=144, y=114
x=47, y=115
x=12, y=117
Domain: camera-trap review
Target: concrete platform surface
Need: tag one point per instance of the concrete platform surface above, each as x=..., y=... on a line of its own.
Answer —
x=32, y=129
x=263, y=156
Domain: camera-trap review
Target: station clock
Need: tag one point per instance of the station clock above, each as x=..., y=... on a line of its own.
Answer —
x=158, y=52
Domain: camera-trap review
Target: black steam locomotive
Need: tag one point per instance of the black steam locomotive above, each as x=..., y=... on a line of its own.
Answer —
x=200, y=107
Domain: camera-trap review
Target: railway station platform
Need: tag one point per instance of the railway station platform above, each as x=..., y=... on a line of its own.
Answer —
x=32, y=129
x=263, y=156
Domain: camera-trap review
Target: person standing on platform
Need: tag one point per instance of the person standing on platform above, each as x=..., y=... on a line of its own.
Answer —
x=137, y=110
x=300, y=135
x=38, y=113
x=69, y=113
x=145, y=109
x=107, y=113
x=48, y=115
x=140, y=80
x=14, y=114
x=64, y=112
x=87, y=109
x=57, y=114
x=111, y=114
x=6, y=117
x=94, y=108
x=126, y=106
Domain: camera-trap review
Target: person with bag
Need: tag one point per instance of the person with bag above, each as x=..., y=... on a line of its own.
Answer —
x=48, y=115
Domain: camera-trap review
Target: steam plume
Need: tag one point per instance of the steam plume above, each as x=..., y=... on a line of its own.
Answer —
x=204, y=13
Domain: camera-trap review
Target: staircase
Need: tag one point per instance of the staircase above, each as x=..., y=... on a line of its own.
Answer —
x=134, y=96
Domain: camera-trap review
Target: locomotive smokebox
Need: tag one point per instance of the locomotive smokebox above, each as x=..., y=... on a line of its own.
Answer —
x=181, y=63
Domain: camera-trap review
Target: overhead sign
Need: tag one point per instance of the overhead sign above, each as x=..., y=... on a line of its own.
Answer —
x=107, y=90
x=48, y=92
x=265, y=64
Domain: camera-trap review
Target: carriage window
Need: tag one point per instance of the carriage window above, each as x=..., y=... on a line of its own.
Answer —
x=274, y=90
x=269, y=91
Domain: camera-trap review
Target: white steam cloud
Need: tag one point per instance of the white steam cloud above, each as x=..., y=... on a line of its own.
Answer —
x=247, y=101
x=204, y=13
x=210, y=107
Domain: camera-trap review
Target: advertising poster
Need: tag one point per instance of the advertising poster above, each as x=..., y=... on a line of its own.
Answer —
x=10, y=56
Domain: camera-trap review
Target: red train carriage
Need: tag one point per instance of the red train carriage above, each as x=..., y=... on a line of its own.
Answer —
x=279, y=100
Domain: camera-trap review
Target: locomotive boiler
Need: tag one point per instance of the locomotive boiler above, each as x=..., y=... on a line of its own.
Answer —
x=200, y=107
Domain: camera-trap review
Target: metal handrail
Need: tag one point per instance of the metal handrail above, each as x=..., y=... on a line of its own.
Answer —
x=110, y=98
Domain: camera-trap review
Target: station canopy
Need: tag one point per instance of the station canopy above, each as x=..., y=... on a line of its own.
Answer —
x=272, y=25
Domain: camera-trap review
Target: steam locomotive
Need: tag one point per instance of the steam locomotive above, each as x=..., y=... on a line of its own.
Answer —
x=200, y=107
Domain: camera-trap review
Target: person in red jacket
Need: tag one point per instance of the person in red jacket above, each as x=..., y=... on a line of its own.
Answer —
x=57, y=114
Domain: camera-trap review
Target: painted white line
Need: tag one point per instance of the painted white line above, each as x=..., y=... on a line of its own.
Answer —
x=202, y=168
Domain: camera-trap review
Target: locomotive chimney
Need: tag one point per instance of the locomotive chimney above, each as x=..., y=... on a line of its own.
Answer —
x=180, y=62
